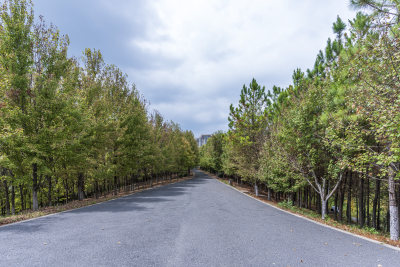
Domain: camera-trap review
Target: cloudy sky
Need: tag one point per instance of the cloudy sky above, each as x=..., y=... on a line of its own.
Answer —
x=190, y=58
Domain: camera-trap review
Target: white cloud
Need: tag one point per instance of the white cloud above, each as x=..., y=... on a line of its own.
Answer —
x=190, y=58
x=222, y=44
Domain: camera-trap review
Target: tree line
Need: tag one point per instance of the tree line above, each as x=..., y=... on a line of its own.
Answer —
x=72, y=128
x=331, y=138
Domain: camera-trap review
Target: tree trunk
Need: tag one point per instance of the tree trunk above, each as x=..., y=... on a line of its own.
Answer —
x=305, y=195
x=7, y=196
x=299, y=197
x=398, y=201
x=357, y=207
x=21, y=195
x=115, y=185
x=323, y=208
x=387, y=224
x=336, y=204
x=326, y=193
x=269, y=194
x=378, y=216
x=348, y=211
x=368, y=215
x=341, y=198
x=49, y=193
x=318, y=204
x=97, y=189
x=361, y=217
x=12, y=200
x=375, y=204
x=35, y=188
x=81, y=185
x=256, y=189
x=1, y=207
x=393, y=208
x=323, y=199
x=323, y=191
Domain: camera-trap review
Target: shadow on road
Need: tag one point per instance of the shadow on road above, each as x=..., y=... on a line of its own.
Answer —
x=31, y=226
x=130, y=203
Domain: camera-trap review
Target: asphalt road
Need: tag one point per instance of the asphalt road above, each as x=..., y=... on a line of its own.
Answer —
x=199, y=222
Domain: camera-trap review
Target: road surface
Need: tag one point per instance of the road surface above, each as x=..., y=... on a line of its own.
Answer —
x=199, y=222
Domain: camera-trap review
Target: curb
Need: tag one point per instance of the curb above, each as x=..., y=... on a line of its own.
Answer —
x=305, y=218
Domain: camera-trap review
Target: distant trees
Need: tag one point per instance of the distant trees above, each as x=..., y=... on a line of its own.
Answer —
x=331, y=138
x=71, y=130
x=211, y=157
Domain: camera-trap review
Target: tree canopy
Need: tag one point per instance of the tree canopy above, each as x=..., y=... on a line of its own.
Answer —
x=334, y=130
x=72, y=128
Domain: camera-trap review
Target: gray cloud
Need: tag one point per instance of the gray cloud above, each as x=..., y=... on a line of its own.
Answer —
x=93, y=24
x=191, y=58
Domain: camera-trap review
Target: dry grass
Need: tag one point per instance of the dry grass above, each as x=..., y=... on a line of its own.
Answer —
x=26, y=215
x=378, y=236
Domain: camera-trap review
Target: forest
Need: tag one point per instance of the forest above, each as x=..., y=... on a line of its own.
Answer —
x=330, y=140
x=72, y=128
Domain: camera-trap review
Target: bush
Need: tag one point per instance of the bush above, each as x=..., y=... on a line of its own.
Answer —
x=371, y=230
x=287, y=204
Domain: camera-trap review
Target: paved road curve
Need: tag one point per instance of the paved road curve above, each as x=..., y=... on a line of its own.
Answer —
x=199, y=222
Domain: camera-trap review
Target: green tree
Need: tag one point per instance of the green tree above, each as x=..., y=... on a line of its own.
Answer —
x=247, y=126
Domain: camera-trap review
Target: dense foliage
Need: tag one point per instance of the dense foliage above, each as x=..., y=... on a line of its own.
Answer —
x=72, y=128
x=335, y=130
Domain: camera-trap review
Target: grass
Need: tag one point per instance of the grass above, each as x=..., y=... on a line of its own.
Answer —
x=26, y=215
x=287, y=205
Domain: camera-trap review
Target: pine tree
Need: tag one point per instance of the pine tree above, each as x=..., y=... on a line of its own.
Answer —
x=247, y=126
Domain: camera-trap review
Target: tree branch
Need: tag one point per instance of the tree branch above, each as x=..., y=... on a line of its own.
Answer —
x=336, y=186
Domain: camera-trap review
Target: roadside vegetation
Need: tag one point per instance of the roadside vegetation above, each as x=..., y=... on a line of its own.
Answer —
x=330, y=142
x=73, y=128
